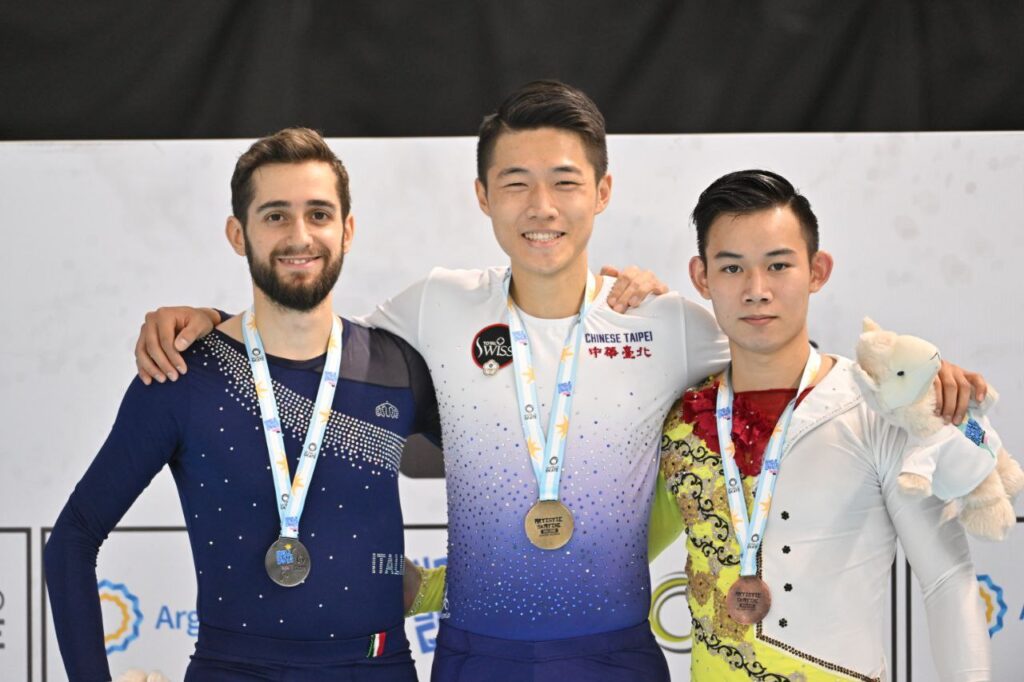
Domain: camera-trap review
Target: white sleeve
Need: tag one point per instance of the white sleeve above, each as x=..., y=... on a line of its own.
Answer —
x=940, y=558
x=707, y=348
x=400, y=314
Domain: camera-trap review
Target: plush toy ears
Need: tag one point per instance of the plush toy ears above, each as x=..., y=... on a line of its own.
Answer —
x=870, y=325
x=873, y=350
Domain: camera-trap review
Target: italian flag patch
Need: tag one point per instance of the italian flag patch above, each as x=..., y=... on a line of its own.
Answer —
x=376, y=645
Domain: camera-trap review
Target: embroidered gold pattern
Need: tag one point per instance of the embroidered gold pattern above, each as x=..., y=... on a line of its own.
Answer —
x=725, y=626
x=700, y=585
x=733, y=656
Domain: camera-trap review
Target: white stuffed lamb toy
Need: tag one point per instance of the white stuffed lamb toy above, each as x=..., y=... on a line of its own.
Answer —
x=895, y=373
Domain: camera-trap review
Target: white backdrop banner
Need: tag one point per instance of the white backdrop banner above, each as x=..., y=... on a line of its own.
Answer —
x=927, y=231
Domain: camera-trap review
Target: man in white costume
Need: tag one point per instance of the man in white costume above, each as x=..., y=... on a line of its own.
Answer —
x=804, y=599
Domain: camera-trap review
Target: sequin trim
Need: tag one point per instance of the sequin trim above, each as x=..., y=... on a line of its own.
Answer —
x=350, y=438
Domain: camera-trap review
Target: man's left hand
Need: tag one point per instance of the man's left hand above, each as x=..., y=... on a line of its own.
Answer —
x=632, y=286
x=954, y=388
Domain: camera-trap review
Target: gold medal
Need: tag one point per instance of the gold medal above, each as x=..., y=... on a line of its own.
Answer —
x=549, y=524
x=748, y=600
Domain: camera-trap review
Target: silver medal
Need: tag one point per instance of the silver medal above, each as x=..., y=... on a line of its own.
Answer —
x=287, y=562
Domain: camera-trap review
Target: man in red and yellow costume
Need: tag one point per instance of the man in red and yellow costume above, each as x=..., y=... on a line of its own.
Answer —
x=786, y=480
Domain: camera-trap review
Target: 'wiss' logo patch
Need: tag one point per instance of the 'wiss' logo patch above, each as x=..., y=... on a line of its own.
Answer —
x=492, y=347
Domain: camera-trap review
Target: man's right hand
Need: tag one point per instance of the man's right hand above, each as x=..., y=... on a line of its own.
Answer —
x=164, y=335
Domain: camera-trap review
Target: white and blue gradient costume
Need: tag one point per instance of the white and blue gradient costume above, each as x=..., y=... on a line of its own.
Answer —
x=500, y=585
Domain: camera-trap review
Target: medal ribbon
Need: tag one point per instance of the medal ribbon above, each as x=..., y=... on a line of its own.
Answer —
x=291, y=494
x=546, y=453
x=750, y=532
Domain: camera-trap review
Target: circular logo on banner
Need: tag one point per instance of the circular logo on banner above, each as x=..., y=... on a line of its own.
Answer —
x=122, y=616
x=492, y=347
x=670, y=617
x=995, y=605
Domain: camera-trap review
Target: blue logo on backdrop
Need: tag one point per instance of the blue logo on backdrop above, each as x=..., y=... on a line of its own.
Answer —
x=426, y=623
x=127, y=617
x=178, y=620
x=122, y=623
x=995, y=605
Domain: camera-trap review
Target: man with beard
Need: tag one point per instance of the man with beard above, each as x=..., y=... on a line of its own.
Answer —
x=244, y=433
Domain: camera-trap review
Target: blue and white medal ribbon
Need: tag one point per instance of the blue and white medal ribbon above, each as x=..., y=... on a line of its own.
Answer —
x=749, y=599
x=549, y=523
x=750, y=532
x=288, y=560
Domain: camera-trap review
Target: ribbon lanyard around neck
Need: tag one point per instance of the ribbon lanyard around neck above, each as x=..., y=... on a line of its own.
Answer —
x=750, y=532
x=291, y=494
x=546, y=453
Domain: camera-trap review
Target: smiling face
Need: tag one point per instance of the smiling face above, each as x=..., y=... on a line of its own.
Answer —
x=759, y=278
x=542, y=197
x=294, y=236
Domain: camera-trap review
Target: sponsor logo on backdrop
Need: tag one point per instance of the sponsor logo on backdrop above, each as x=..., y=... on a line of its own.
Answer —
x=122, y=616
x=185, y=620
x=670, y=614
x=426, y=623
x=995, y=605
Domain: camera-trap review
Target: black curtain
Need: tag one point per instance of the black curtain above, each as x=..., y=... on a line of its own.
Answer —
x=243, y=68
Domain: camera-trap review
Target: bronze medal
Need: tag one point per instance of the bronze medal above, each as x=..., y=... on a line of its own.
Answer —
x=748, y=600
x=287, y=562
x=549, y=524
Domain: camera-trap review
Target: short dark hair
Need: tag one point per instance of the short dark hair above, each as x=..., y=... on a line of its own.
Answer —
x=545, y=104
x=749, y=191
x=290, y=145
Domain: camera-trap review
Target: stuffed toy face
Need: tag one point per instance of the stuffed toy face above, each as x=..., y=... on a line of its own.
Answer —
x=902, y=366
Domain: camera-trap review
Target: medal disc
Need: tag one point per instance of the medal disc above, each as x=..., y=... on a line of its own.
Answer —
x=748, y=600
x=287, y=562
x=549, y=524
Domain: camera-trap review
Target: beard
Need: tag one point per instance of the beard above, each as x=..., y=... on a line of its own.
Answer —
x=300, y=296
